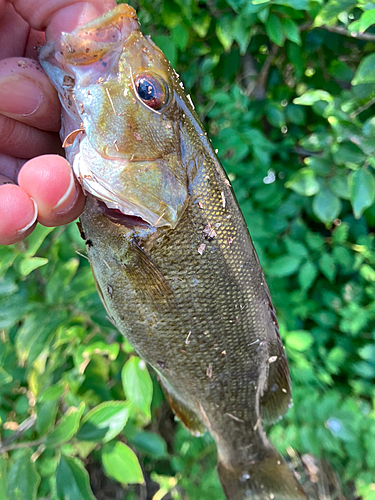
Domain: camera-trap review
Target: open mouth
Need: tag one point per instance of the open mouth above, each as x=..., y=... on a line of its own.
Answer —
x=115, y=215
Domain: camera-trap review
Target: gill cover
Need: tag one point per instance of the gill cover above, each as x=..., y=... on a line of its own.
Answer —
x=119, y=119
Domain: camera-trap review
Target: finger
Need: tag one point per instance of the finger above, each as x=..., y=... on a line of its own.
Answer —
x=18, y=213
x=14, y=33
x=27, y=95
x=50, y=182
x=10, y=166
x=36, y=40
x=24, y=141
x=60, y=15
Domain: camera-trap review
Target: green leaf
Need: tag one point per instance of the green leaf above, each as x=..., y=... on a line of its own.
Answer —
x=366, y=71
x=299, y=340
x=180, y=37
x=35, y=333
x=283, y=266
x=104, y=422
x=224, y=31
x=137, y=384
x=366, y=20
x=362, y=191
x=171, y=14
x=304, y=182
x=60, y=280
x=30, y=264
x=340, y=186
x=46, y=414
x=365, y=370
x=150, y=443
x=242, y=31
x=294, y=4
x=310, y=97
x=341, y=233
x=7, y=257
x=326, y=206
x=290, y=30
x=72, y=480
x=168, y=47
x=327, y=266
x=3, y=478
x=52, y=393
x=295, y=247
x=274, y=30
x=275, y=115
x=367, y=352
x=36, y=238
x=201, y=23
x=307, y=275
x=368, y=273
x=23, y=479
x=67, y=427
x=121, y=463
x=12, y=310
x=348, y=153
x=329, y=13
x=5, y=377
x=8, y=286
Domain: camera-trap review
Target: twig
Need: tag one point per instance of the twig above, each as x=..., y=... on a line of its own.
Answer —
x=359, y=110
x=340, y=30
x=17, y=446
x=259, y=90
x=22, y=428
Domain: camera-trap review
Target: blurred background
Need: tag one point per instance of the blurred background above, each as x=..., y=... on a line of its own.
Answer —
x=286, y=91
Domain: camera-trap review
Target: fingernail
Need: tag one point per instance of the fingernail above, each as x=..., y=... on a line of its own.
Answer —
x=68, y=199
x=28, y=226
x=19, y=96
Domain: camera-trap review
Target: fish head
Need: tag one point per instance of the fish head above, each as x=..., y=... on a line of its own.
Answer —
x=120, y=117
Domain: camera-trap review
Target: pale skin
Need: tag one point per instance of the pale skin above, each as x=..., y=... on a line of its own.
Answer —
x=36, y=183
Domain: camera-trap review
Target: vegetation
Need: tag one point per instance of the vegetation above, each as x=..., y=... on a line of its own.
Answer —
x=286, y=91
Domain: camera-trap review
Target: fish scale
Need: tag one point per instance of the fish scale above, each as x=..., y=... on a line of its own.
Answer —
x=175, y=266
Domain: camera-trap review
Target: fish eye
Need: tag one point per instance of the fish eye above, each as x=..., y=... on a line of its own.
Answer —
x=152, y=90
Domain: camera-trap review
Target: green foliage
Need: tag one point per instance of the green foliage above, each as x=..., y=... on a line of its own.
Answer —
x=287, y=96
x=121, y=463
x=72, y=480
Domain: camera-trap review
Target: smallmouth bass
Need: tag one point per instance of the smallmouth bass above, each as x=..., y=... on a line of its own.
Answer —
x=170, y=251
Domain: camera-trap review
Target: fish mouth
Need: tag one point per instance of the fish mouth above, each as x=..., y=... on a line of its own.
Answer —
x=115, y=215
x=89, y=44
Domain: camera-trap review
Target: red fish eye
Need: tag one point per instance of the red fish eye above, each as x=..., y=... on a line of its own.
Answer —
x=152, y=90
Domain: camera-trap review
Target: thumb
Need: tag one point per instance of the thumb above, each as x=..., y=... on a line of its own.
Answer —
x=55, y=16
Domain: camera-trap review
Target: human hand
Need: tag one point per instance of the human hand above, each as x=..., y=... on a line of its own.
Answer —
x=36, y=184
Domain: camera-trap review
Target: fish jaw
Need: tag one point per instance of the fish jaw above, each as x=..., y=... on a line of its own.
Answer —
x=73, y=54
x=105, y=124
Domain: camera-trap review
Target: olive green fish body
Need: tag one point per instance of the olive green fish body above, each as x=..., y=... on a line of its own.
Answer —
x=175, y=266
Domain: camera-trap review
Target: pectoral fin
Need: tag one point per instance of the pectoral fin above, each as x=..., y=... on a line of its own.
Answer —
x=187, y=416
x=147, y=277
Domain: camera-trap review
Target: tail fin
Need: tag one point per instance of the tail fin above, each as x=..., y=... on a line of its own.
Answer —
x=268, y=479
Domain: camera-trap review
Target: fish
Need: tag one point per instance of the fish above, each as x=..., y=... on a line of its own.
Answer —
x=170, y=251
